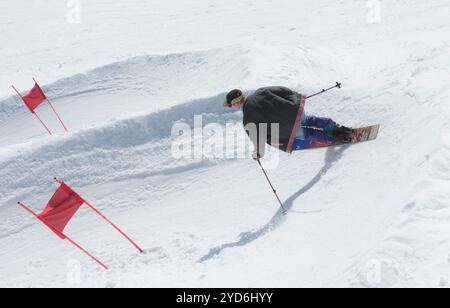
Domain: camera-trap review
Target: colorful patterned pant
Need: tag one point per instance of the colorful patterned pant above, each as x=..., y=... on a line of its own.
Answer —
x=310, y=134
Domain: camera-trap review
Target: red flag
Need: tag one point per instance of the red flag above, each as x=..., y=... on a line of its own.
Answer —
x=34, y=98
x=61, y=208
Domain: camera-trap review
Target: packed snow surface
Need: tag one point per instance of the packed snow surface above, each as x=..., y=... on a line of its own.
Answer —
x=370, y=215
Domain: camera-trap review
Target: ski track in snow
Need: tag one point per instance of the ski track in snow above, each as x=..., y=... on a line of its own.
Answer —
x=370, y=215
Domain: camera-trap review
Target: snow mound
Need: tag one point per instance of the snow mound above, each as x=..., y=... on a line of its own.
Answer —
x=146, y=84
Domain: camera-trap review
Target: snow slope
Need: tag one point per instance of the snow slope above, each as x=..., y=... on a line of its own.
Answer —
x=370, y=215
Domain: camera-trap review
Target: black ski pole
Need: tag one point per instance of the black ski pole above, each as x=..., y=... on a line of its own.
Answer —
x=273, y=189
x=337, y=85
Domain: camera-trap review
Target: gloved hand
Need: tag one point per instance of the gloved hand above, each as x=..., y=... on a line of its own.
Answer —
x=256, y=156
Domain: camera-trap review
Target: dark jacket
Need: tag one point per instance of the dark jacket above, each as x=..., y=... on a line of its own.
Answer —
x=273, y=105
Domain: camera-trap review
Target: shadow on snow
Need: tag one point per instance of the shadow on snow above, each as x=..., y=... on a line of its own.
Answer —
x=333, y=155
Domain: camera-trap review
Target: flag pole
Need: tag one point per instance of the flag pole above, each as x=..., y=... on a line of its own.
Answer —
x=106, y=219
x=59, y=118
x=86, y=252
x=62, y=235
x=48, y=130
x=28, y=210
x=114, y=226
x=32, y=111
x=51, y=105
x=18, y=93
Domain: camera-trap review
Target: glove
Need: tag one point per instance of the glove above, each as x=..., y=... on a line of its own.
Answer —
x=256, y=156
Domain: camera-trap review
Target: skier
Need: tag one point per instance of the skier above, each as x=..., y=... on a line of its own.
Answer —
x=285, y=107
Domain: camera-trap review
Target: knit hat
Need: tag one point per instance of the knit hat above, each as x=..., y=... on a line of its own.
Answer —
x=233, y=97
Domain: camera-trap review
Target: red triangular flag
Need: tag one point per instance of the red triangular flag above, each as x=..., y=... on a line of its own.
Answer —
x=34, y=98
x=61, y=208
